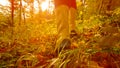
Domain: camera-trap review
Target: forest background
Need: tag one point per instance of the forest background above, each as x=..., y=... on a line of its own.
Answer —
x=27, y=24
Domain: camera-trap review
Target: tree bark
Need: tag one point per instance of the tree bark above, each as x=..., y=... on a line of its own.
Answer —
x=12, y=12
x=20, y=20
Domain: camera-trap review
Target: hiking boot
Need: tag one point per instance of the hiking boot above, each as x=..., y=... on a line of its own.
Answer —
x=73, y=34
x=65, y=44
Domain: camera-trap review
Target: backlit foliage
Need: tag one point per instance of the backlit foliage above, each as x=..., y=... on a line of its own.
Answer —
x=29, y=41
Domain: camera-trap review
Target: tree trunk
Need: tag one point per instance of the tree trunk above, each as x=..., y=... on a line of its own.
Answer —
x=20, y=18
x=12, y=19
x=12, y=12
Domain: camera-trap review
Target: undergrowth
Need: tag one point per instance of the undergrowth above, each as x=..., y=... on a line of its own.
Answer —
x=31, y=45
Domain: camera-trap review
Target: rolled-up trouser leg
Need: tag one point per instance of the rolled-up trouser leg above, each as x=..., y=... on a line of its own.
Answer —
x=62, y=23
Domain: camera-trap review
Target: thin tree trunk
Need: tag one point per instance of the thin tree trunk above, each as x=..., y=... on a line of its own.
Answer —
x=12, y=19
x=24, y=15
x=12, y=12
x=20, y=20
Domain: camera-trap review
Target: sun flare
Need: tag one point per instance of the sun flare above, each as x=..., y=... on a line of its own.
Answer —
x=45, y=5
x=4, y=2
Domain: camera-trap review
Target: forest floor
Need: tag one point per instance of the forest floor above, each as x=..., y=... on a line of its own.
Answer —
x=96, y=47
x=103, y=52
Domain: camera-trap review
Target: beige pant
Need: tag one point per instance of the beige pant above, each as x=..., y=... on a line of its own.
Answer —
x=65, y=19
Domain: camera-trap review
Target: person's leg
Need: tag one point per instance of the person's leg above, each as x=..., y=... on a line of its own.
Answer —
x=73, y=13
x=72, y=23
x=62, y=25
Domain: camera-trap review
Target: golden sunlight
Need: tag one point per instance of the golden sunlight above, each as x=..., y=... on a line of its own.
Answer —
x=45, y=5
x=4, y=2
x=36, y=6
